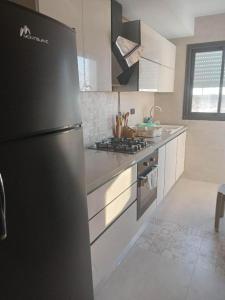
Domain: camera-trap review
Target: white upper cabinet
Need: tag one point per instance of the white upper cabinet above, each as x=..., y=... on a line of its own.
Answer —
x=154, y=77
x=97, y=45
x=166, y=79
x=162, y=54
x=157, y=48
x=68, y=12
x=168, y=53
x=92, y=21
x=148, y=75
x=151, y=43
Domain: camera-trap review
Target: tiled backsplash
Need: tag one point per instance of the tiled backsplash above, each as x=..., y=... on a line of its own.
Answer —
x=98, y=115
x=99, y=110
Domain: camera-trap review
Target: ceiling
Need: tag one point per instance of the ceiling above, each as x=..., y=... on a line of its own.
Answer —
x=172, y=18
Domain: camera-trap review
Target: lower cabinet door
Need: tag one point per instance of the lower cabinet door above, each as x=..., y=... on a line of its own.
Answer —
x=181, y=140
x=107, y=250
x=170, y=165
x=161, y=174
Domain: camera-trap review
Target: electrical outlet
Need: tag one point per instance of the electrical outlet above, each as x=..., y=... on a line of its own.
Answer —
x=132, y=111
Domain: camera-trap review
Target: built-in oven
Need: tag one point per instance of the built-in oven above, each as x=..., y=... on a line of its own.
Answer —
x=147, y=182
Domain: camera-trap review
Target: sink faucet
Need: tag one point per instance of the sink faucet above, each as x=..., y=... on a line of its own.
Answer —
x=153, y=109
x=151, y=117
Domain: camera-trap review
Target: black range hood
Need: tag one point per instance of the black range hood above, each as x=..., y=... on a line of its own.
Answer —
x=126, y=45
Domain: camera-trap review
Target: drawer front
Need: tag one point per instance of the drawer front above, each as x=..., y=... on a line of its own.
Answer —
x=111, y=190
x=105, y=217
x=106, y=250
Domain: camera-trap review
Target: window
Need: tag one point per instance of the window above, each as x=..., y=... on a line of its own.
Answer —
x=204, y=96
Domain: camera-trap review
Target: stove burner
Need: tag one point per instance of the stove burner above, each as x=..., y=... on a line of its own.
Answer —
x=123, y=145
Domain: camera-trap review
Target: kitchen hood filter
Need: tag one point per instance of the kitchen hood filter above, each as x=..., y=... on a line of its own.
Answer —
x=130, y=51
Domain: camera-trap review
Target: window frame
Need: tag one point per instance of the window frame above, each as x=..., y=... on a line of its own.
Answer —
x=192, y=49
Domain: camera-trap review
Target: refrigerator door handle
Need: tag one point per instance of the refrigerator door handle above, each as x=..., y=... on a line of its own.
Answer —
x=3, y=229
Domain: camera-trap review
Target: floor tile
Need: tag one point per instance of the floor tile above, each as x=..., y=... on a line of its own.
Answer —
x=146, y=275
x=206, y=285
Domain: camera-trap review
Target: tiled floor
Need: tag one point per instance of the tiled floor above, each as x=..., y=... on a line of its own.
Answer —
x=178, y=257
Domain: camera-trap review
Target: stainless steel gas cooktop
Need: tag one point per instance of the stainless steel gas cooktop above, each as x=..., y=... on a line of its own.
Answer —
x=123, y=145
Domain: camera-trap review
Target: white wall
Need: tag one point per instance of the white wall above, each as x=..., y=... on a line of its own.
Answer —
x=205, y=151
x=141, y=101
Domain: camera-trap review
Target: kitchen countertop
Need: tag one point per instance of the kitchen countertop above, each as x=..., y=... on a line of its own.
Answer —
x=102, y=166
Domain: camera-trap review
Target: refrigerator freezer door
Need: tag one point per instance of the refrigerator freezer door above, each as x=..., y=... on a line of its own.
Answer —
x=46, y=255
x=39, y=87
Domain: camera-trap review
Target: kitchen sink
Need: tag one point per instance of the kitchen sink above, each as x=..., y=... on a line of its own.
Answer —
x=171, y=129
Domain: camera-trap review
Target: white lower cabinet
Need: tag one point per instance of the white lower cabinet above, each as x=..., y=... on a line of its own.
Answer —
x=113, y=223
x=107, y=215
x=181, y=141
x=108, y=192
x=161, y=173
x=108, y=248
x=174, y=161
x=170, y=165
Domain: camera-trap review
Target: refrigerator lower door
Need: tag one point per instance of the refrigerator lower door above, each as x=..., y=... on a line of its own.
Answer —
x=46, y=254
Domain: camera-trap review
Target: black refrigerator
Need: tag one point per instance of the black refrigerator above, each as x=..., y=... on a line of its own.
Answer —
x=44, y=246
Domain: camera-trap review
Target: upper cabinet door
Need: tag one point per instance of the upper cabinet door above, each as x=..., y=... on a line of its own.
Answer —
x=168, y=51
x=156, y=47
x=97, y=45
x=151, y=42
x=148, y=75
x=68, y=12
x=166, y=82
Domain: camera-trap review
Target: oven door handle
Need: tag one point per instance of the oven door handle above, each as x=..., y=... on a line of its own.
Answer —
x=142, y=180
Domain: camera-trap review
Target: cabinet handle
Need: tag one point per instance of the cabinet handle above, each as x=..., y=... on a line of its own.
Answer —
x=3, y=228
x=88, y=87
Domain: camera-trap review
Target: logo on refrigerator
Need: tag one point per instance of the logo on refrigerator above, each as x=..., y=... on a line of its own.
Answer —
x=25, y=33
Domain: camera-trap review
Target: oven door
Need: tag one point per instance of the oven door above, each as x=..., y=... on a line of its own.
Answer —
x=147, y=191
